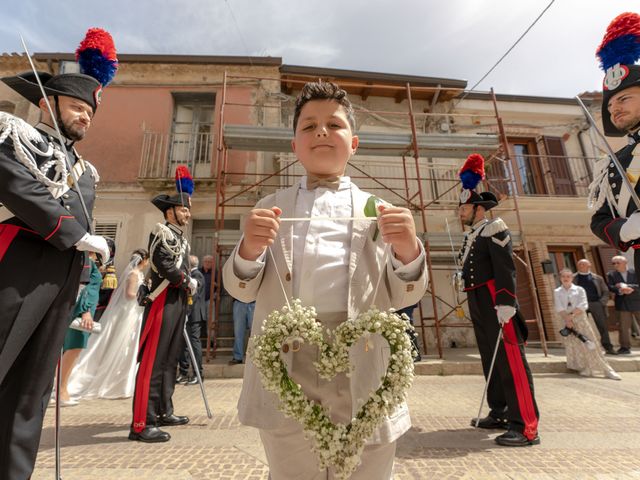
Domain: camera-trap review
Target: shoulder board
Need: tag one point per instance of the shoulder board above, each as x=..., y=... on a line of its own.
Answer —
x=93, y=170
x=496, y=226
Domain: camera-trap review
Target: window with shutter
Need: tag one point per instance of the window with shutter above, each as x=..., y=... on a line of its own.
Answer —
x=107, y=229
x=558, y=166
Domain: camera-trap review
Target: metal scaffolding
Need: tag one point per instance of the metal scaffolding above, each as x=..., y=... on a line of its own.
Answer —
x=423, y=185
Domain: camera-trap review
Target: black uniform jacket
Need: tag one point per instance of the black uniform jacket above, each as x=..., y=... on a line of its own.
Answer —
x=164, y=261
x=605, y=223
x=489, y=257
x=60, y=221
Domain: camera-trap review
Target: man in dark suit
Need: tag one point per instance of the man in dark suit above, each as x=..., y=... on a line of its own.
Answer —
x=196, y=314
x=597, y=295
x=624, y=283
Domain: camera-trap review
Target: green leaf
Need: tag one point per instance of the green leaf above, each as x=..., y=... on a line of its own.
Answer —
x=370, y=207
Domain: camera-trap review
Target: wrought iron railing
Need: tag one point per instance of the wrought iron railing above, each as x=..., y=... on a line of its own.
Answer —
x=162, y=152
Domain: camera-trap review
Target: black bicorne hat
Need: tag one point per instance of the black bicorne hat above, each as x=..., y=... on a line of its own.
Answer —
x=76, y=85
x=164, y=202
x=471, y=173
x=618, y=53
x=618, y=78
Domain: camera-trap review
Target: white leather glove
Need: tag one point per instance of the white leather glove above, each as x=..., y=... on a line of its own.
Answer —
x=94, y=243
x=193, y=286
x=505, y=313
x=630, y=230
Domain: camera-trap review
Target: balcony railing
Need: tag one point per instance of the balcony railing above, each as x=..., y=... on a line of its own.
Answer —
x=163, y=152
x=544, y=176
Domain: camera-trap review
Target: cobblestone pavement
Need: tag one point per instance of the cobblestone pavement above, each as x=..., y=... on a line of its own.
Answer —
x=590, y=429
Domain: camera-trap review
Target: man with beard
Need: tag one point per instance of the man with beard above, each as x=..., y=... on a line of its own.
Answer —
x=489, y=277
x=41, y=250
x=617, y=217
x=161, y=338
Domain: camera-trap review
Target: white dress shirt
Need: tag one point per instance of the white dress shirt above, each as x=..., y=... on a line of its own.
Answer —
x=568, y=299
x=321, y=249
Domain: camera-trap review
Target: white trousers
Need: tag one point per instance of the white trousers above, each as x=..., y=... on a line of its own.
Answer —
x=290, y=458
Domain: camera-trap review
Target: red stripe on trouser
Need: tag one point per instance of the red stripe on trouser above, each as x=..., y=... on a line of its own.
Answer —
x=519, y=374
x=7, y=234
x=150, y=335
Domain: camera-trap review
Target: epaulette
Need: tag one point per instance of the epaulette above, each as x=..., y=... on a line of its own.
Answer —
x=27, y=133
x=497, y=225
x=28, y=144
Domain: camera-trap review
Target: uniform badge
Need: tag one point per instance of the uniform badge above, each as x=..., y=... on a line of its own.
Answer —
x=614, y=77
x=97, y=95
x=465, y=195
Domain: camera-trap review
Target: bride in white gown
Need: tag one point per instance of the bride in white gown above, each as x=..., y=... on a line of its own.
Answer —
x=107, y=367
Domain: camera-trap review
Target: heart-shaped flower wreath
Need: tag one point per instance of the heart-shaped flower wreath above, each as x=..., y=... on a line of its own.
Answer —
x=336, y=445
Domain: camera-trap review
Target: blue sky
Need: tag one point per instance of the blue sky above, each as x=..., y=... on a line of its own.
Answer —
x=458, y=39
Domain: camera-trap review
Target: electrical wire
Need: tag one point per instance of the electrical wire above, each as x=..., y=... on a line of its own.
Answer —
x=233, y=17
x=506, y=53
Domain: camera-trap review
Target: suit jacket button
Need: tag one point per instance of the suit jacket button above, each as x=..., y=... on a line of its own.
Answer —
x=410, y=287
x=288, y=277
x=65, y=196
x=242, y=284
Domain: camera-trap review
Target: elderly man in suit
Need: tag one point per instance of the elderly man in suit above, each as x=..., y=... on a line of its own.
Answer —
x=624, y=283
x=196, y=314
x=597, y=296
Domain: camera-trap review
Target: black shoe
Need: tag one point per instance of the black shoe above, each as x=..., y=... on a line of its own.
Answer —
x=516, y=439
x=150, y=435
x=172, y=420
x=234, y=361
x=624, y=351
x=182, y=378
x=610, y=351
x=191, y=381
x=491, y=423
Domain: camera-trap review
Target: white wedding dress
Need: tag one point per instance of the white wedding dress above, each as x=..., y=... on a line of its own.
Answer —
x=107, y=367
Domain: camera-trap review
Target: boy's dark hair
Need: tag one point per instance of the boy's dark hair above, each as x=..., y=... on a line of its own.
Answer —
x=324, y=91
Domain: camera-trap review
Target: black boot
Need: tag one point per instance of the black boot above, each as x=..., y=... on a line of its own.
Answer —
x=149, y=435
x=491, y=423
x=172, y=420
x=513, y=438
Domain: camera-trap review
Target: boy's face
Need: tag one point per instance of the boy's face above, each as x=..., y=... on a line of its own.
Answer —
x=324, y=141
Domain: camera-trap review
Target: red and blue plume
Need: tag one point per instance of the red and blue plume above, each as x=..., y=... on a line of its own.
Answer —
x=621, y=42
x=472, y=172
x=184, y=182
x=97, y=56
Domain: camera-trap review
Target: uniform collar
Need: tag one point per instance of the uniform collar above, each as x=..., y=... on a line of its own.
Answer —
x=43, y=127
x=634, y=137
x=479, y=224
x=174, y=228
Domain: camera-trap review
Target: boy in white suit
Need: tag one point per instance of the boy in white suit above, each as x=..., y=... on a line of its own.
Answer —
x=333, y=265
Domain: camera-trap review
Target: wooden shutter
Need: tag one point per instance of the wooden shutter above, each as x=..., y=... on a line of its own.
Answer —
x=558, y=164
x=603, y=258
x=525, y=299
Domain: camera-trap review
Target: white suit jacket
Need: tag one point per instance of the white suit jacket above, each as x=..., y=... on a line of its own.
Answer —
x=258, y=407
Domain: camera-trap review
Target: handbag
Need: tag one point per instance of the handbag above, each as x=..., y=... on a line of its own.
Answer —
x=76, y=324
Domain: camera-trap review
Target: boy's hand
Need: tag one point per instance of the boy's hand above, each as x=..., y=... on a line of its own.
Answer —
x=260, y=231
x=398, y=228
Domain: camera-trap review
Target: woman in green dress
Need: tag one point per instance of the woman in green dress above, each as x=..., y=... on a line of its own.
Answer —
x=76, y=340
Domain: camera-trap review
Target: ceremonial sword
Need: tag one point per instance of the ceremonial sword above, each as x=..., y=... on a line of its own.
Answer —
x=196, y=369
